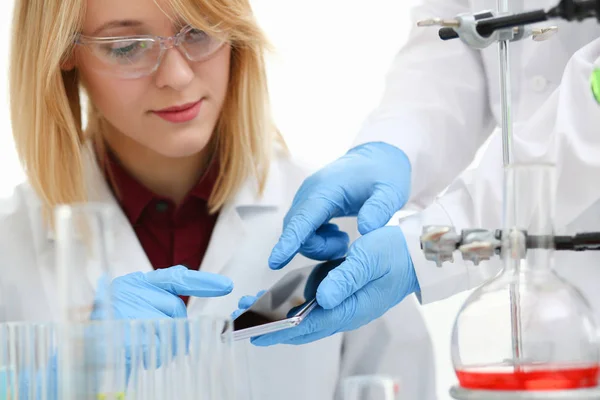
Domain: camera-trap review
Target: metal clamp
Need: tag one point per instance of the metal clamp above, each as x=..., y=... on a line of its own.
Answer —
x=439, y=243
x=465, y=27
x=479, y=245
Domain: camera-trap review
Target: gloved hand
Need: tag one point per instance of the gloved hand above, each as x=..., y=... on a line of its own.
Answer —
x=371, y=181
x=155, y=295
x=376, y=275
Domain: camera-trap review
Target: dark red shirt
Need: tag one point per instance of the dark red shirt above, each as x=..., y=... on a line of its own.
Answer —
x=169, y=235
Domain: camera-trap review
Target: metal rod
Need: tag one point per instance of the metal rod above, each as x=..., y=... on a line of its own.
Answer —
x=505, y=94
x=506, y=102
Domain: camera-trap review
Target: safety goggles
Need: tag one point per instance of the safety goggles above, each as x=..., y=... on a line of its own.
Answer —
x=131, y=57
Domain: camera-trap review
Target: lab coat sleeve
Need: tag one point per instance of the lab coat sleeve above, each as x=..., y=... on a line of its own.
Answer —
x=435, y=104
x=474, y=200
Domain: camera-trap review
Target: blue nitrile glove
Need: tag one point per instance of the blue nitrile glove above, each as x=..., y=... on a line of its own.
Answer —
x=245, y=302
x=371, y=181
x=155, y=295
x=377, y=274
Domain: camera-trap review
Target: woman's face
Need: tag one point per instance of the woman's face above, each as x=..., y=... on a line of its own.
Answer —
x=173, y=110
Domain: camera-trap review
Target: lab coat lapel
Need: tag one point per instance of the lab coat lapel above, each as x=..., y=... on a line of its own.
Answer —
x=229, y=231
x=126, y=253
x=232, y=229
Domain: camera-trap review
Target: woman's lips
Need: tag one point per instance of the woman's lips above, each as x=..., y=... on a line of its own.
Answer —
x=179, y=114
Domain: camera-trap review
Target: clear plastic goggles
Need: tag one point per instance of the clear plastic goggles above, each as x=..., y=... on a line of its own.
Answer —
x=131, y=57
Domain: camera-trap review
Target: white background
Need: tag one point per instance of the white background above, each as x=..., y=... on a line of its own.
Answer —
x=326, y=75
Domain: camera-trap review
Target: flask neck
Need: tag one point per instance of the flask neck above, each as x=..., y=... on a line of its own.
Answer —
x=528, y=211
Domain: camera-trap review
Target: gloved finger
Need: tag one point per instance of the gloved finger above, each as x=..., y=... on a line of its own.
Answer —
x=379, y=208
x=237, y=313
x=246, y=301
x=153, y=351
x=134, y=297
x=147, y=344
x=180, y=281
x=310, y=337
x=102, y=299
x=327, y=243
x=302, y=222
x=356, y=311
x=362, y=265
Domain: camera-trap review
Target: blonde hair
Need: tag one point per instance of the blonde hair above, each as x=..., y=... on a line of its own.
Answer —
x=46, y=105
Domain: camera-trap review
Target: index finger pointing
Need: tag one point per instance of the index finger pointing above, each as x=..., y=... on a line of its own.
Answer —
x=303, y=221
x=181, y=281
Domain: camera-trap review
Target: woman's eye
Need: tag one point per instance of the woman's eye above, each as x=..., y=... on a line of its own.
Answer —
x=125, y=49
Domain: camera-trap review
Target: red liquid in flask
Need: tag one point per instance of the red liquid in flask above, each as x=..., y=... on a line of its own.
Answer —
x=530, y=379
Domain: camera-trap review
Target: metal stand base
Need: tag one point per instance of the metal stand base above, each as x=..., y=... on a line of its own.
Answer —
x=459, y=393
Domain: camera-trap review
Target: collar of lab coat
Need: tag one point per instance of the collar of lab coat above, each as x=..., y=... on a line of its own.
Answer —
x=230, y=229
x=247, y=196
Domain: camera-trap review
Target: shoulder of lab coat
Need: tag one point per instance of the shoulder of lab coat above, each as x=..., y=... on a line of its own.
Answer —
x=20, y=213
x=434, y=106
x=563, y=132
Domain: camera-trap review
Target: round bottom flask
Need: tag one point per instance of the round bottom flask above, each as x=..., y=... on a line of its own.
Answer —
x=527, y=333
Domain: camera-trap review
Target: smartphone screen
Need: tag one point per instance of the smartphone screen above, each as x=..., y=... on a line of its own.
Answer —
x=293, y=295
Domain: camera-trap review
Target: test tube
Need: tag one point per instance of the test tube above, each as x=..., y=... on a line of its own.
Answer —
x=84, y=235
x=28, y=361
x=184, y=359
x=370, y=387
x=89, y=348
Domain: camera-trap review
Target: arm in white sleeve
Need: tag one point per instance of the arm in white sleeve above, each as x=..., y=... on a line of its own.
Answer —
x=475, y=199
x=435, y=105
x=472, y=201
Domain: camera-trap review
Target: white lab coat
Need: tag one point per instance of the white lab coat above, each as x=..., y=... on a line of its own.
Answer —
x=247, y=228
x=564, y=131
x=442, y=99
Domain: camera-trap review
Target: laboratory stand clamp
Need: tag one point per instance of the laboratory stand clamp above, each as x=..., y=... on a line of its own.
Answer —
x=439, y=243
x=480, y=30
x=526, y=333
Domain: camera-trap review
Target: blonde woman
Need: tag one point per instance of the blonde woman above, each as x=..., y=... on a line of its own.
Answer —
x=179, y=136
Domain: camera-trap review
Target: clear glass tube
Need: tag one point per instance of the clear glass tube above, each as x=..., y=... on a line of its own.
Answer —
x=527, y=304
x=185, y=359
x=370, y=387
x=28, y=361
x=84, y=253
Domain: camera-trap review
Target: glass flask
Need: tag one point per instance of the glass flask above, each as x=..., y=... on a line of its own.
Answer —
x=527, y=330
x=370, y=387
